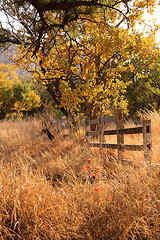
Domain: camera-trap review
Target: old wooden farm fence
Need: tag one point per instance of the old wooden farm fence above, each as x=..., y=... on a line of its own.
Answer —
x=120, y=131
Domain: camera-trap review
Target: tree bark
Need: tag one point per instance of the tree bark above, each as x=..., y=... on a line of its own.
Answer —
x=52, y=93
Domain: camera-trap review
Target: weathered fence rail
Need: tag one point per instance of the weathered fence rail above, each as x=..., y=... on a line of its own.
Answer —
x=120, y=131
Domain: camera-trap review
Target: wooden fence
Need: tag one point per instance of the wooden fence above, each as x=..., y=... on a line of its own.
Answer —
x=120, y=131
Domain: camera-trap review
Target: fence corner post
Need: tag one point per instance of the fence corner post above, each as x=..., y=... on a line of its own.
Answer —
x=147, y=140
x=87, y=129
x=101, y=129
x=120, y=137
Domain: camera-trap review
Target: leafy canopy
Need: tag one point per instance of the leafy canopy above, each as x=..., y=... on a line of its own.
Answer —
x=80, y=49
x=31, y=21
x=84, y=70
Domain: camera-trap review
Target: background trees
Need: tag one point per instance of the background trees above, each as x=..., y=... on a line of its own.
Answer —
x=143, y=91
x=15, y=96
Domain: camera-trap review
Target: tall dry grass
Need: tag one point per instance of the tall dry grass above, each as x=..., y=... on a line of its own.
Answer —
x=61, y=189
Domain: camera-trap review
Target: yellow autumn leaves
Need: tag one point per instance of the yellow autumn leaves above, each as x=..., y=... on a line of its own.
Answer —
x=87, y=63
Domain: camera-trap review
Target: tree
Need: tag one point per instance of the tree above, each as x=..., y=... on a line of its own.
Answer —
x=79, y=48
x=15, y=96
x=85, y=70
x=32, y=21
x=143, y=91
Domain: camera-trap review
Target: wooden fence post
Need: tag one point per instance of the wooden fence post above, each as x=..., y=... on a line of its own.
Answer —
x=101, y=130
x=120, y=137
x=70, y=127
x=87, y=129
x=147, y=140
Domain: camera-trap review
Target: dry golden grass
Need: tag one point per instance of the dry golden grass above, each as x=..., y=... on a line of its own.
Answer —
x=61, y=189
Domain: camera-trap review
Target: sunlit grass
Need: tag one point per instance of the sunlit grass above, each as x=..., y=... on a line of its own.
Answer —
x=62, y=189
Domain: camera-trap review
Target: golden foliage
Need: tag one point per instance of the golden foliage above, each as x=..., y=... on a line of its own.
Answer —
x=15, y=96
x=87, y=65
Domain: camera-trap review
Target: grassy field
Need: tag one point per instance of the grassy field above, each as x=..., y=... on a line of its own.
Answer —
x=61, y=189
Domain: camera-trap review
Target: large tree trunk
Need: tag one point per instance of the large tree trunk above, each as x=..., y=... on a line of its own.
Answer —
x=54, y=96
x=92, y=114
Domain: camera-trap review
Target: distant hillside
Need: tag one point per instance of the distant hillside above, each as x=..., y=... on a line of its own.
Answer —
x=4, y=58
